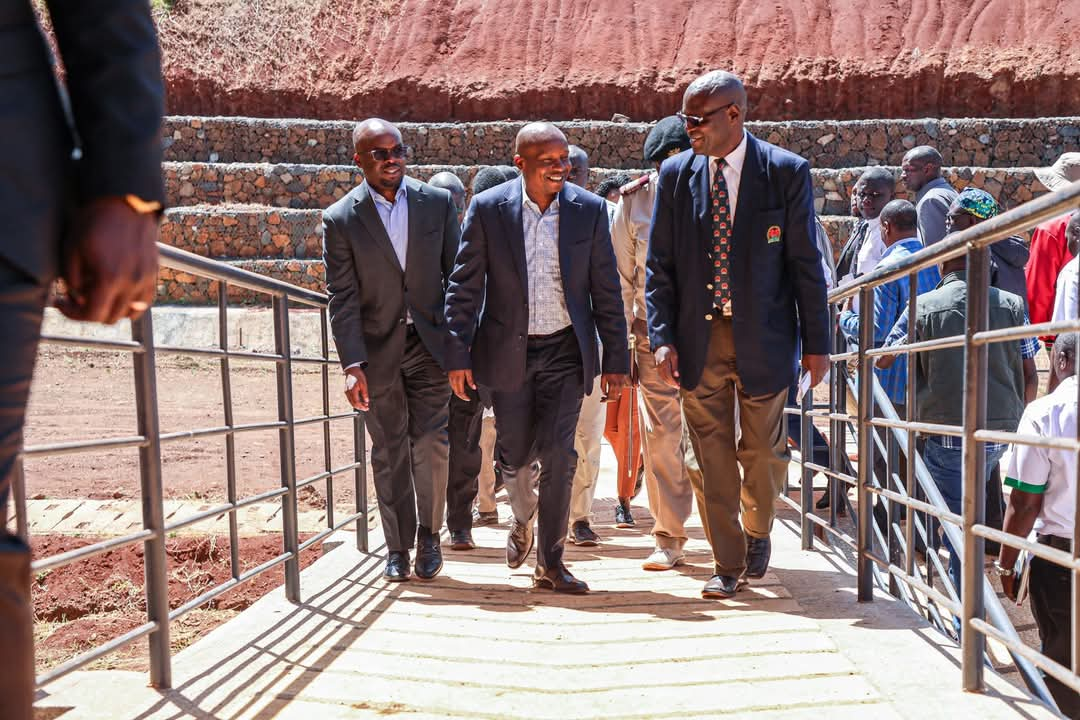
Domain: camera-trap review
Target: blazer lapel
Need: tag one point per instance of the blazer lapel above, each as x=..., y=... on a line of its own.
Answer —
x=514, y=232
x=699, y=190
x=418, y=201
x=753, y=187
x=365, y=210
x=569, y=208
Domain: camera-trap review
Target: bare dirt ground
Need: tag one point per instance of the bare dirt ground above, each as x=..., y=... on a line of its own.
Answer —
x=86, y=395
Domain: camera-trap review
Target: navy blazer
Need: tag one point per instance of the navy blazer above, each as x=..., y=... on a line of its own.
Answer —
x=777, y=284
x=369, y=292
x=491, y=262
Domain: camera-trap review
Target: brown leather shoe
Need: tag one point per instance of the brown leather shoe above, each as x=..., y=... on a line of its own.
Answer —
x=519, y=541
x=16, y=630
x=559, y=579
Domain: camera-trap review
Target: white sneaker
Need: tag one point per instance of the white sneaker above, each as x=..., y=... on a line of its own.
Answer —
x=664, y=559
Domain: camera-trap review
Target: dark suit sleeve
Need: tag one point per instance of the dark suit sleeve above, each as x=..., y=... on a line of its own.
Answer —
x=346, y=322
x=451, y=241
x=113, y=65
x=661, y=300
x=466, y=291
x=606, y=294
x=804, y=262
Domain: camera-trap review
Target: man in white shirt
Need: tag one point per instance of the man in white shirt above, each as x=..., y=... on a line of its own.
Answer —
x=876, y=188
x=1067, y=297
x=1043, y=499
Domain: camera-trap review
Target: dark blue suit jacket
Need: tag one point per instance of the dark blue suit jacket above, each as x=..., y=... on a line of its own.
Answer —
x=777, y=284
x=491, y=262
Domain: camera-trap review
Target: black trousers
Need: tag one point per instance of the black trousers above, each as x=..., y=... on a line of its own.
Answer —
x=536, y=423
x=22, y=303
x=407, y=423
x=1051, y=594
x=466, y=422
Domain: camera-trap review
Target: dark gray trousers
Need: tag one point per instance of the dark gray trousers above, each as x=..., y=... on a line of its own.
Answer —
x=536, y=422
x=407, y=422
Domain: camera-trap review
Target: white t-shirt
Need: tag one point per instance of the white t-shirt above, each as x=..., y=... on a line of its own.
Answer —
x=1067, y=297
x=1046, y=471
x=870, y=252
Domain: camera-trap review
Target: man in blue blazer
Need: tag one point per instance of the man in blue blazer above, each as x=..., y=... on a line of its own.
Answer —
x=536, y=256
x=733, y=277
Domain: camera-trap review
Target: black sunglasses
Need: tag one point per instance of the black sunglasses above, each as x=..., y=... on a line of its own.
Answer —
x=397, y=152
x=695, y=120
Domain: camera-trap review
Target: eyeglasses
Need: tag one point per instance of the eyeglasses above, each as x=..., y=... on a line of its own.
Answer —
x=696, y=120
x=865, y=195
x=397, y=152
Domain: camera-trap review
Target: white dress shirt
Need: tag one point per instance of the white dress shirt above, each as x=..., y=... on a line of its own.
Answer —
x=547, y=299
x=1067, y=297
x=870, y=253
x=732, y=174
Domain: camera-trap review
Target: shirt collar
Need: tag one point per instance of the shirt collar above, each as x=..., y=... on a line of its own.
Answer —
x=954, y=276
x=910, y=243
x=527, y=201
x=735, y=158
x=935, y=183
x=399, y=195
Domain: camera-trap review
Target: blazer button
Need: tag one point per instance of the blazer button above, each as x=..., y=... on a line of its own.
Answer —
x=709, y=286
x=708, y=316
x=401, y=321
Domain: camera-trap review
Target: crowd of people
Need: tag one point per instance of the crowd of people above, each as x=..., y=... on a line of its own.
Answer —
x=693, y=292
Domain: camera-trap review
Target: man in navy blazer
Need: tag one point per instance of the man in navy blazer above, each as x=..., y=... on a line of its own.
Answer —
x=733, y=277
x=536, y=256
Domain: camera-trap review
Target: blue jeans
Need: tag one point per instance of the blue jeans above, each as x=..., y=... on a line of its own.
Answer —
x=946, y=467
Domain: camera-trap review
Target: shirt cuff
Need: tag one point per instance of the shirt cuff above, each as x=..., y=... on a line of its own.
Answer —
x=361, y=365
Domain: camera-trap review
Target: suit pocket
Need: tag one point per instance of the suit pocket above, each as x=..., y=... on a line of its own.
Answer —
x=769, y=227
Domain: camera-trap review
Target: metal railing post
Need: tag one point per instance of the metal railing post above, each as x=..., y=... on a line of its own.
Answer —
x=287, y=449
x=360, y=478
x=155, y=562
x=806, y=446
x=230, y=439
x=865, y=536
x=837, y=429
x=972, y=643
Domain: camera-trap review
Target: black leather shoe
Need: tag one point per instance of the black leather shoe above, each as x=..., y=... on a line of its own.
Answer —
x=623, y=518
x=720, y=587
x=519, y=542
x=461, y=540
x=758, y=552
x=559, y=579
x=428, y=554
x=582, y=535
x=397, y=566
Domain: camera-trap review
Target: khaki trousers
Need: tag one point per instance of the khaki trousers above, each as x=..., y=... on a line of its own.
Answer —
x=669, y=460
x=761, y=451
x=587, y=439
x=485, y=494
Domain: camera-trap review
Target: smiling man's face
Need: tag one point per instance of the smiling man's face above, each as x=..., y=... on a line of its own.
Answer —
x=545, y=167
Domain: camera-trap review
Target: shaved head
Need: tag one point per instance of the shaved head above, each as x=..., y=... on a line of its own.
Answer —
x=718, y=82
x=371, y=128
x=579, y=166
x=920, y=166
x=537, y=133
x=452, y=184
x=924, y=154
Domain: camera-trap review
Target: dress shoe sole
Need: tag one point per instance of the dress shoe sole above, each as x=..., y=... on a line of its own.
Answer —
x=716, y=595
x=463, y=546
x=548, y=585
x=395, y=578
x=625, y=524
x=583, y=543
x=524, y=555
x=426, y=578
x=659, y=567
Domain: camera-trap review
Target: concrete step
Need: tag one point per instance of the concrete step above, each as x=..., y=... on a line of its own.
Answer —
x=828, y=144
x=317, y=186
x=256, y=232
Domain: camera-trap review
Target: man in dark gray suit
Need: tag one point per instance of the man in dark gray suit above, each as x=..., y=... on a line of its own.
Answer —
x=389, y=246
x=93, y=222
x=537, y=257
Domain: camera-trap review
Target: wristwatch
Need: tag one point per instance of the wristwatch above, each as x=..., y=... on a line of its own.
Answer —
x=143, y=207
x=1003, y=571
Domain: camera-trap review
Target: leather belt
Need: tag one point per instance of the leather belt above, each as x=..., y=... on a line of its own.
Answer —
x=1056, y=542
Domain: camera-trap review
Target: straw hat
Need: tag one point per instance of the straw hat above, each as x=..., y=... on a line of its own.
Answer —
x=1063, y=172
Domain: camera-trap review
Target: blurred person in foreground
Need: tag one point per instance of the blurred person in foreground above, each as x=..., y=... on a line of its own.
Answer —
x=92, y=222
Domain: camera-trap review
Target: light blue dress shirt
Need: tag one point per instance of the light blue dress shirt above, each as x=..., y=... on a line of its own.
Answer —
x=395, y=218
x=547, y=300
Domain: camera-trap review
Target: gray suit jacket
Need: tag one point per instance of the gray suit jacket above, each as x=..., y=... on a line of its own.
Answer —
x=368, y=291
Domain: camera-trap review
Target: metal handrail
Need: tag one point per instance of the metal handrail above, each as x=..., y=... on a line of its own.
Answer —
x=976, y=597
x=149, y=440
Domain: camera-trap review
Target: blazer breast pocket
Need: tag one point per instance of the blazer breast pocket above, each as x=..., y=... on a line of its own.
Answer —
x=769, y=227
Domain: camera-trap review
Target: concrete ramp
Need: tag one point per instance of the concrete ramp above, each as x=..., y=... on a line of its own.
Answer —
x=478, y=642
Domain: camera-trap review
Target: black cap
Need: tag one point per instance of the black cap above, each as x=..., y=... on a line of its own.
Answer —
x=665, y=139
